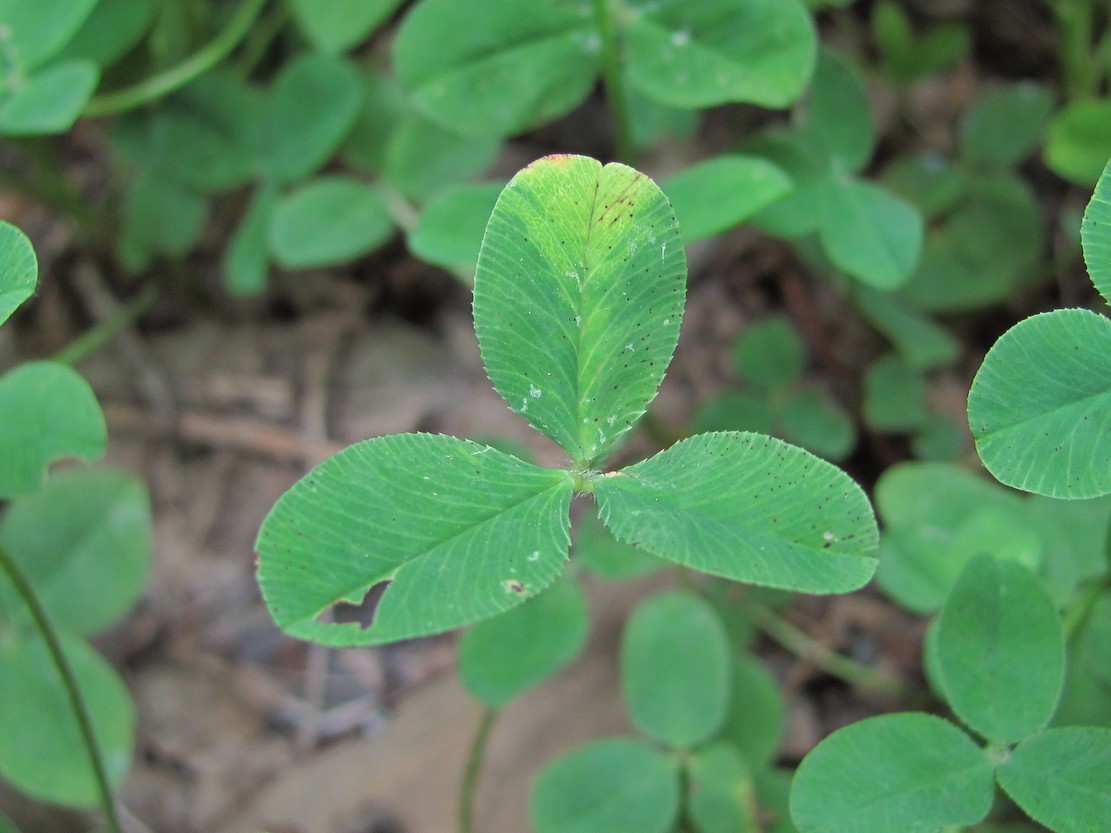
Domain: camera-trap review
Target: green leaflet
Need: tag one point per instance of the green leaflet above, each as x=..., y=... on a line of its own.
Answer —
x=458, y=531
x=1095, y=234
x=449, y=230
x=608, y=785
x=83, y=541
x=334, y=26
x=41, y=751
x=48, y=412
x=19, y=269
x=714, y=51
x=721, y=797
x=1079, y=140
x=502, y=657
x=748, y=508
x=1040, y=407
x=914, y=773
x=1000, y=650
x=1060, y=778
x=579, y=294
x=515, y=65
x=675, y=669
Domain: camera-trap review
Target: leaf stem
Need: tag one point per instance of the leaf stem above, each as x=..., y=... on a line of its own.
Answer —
x=611, y=75
x=104, y=331
x=468, y=788
x=177, y=76
x=807, y=648
x=69, y=681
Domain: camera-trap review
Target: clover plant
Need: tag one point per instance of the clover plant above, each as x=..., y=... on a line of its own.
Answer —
x=73, y=555
x=578, y=299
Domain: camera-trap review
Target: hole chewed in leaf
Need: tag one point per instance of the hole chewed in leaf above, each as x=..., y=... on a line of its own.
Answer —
x=344, y=612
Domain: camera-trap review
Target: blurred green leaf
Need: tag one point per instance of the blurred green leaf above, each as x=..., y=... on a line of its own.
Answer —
x=605, y=556
x=503, y=657
x=909, y=772
x=246, y=259
x=769, y=353
x=518, y=64
x=41, y=748
x=1078, y=143
x=675, y=669
x=838, y=117
x=334, y=26
x=756, y=718
x=83, y=541
x=113, y=29
x=1000, y=650
x=1060, y=778
x=449, y=231
x=160, y=218
x=314, y=103
x=1004, y=126
x=717, y=194
x=328, y=220
x=720, y=794
x=37, y=31
x=48, y=412
x=48, y=101
x=421, y=157
x=605, y=786
x=716, y=51
x=818, y=424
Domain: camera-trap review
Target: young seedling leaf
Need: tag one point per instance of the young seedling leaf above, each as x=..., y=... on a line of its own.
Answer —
x=1078, y=143
x=50, y=100
x=579, y=294
x=246, y=260
x=329, y=220
x=675, y=669
x=1000, y=650
x=721, y=797
x=449, y=230
x=41, y=749
x=518, y=64
x=735, y=411
x=869, y=233
x=720, y=193
x=1095, y=234
x=607, y=785
x=334, y=26
x=910, y=772
x=19, y=269
x=453, y=530
x=838, y=116
x=382, y=108
x=1005, y=126
x=1060, y=778
x=748, y=508
x=83, y=541
x=716, y=51
x=1040, y=405
x=928, y=180
x=756, y=716
x=48, y=412
x=503, y=657
x=313, y=105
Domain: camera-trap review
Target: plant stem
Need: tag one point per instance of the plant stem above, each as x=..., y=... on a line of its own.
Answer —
x=77, y=703
x=106, y=330
x=611, y=75
x=801, y=644
x=1076, y=614
x=474, y=764
x=169, y=80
